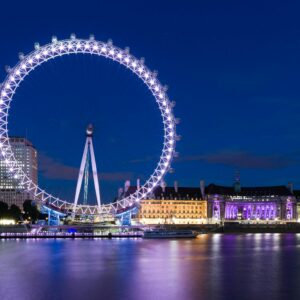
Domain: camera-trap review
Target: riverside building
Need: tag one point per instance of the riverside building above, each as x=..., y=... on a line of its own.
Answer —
x=11, y=190
x=258, y=204
x=297, y=195
x=216, y=203
x=171, y=205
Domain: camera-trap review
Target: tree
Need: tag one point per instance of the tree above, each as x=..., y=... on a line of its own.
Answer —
x=14, y=212
x=31, y=210
x=3, y=210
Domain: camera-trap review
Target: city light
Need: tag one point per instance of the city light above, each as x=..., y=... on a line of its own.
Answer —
x=7, y=222
x=42, y=54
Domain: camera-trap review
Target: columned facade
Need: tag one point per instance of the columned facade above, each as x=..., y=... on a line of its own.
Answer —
x=251, y=204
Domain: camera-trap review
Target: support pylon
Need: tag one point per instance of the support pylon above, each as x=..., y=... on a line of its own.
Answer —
x=83, y=172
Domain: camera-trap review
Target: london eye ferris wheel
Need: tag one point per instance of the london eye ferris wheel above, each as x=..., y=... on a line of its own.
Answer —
x=56, y=48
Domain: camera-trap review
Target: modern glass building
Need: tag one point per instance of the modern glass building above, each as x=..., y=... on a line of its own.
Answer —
x=11, y=190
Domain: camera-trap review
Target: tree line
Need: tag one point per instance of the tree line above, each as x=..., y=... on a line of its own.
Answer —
x=30, y=212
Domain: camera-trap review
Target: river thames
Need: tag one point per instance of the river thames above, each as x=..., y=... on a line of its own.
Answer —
x=217, y=266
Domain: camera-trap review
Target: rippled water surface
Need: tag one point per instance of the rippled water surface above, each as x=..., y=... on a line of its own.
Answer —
x=249, y=266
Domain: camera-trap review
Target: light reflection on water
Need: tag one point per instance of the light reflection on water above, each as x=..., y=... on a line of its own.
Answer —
x=231, y=266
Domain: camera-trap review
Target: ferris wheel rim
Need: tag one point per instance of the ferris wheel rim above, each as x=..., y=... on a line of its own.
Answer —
x=56, y=48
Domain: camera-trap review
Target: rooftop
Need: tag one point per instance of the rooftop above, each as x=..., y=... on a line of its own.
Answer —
x=279, y=190
x=172, y=193
x=213, y=189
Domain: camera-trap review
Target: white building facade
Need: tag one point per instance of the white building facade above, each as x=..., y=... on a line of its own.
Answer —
x=11, y=190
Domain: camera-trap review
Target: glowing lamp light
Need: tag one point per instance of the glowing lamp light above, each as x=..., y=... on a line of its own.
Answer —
x=140, y=69
x=155, y=184
x=4, y=94
x=7, y=222
x=103, y=49
x=127, y=59
x=134, y=64
x=156, y=88
x=69, y=46
x=30, y=60
x=78, y=45
x=18, y=72
x=7, y=86
x=151, y=81
x=119, y=55
x=87, y=46
x=95, y=47
x=23, y=66
x=12, y=78
x=111, y=52
x=1, y=101
x=45, y=52
x=38, y=56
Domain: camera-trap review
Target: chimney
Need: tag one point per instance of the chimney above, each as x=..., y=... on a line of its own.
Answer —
x=290, y=186
x=176, y=186
x=237, y=182
x=120, y=192
x=163, y=186
x=138, y=183
x=126, y=185
x=202, y=188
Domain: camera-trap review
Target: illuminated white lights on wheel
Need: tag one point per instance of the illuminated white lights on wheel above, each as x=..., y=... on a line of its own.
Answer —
x=73, y=45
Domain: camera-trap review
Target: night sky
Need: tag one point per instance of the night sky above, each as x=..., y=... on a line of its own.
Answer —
x=233, y=68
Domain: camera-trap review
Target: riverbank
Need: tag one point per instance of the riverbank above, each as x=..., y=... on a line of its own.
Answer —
x=260, y=228
x=64, y=235
x=100, y=231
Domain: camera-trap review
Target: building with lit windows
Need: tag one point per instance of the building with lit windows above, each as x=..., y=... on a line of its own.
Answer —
x=171, y=205
x=263, y=204
x=297, y=195
x=11, y=190
x=215, y=203
x=172, y=211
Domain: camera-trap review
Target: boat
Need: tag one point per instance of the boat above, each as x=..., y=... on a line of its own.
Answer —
x=169, y=234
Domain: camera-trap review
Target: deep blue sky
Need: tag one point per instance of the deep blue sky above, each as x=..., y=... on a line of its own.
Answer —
x=231, y=66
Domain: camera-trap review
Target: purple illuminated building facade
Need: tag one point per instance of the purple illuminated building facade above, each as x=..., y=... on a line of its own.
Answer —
x=272, y=203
